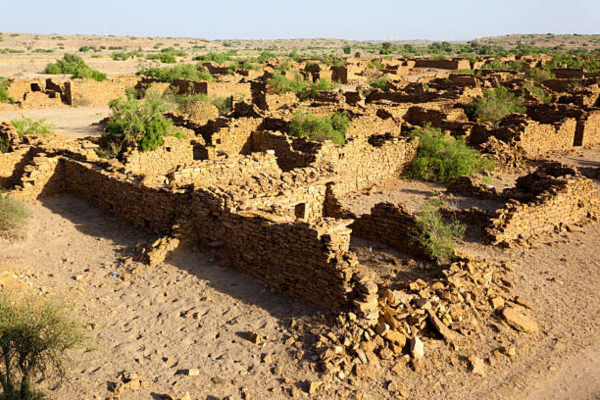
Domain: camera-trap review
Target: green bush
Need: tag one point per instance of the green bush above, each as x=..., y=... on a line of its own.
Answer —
x=438, y=238
x=184, y=102
x=4, y=97
x=537, y=91
x=219, y=58
x=111, y=150
x=75, y=66
x=29, y=126
x=380, y=83
x=347, y=49
x=332, y=128
x=182, y=71
x=36, y=336
x=140, y=121
x=125, y=55
x=13, y=217
x=443, y=158
x=4, y=145
x=279, y=84
x=539, y=75
x=494, y=105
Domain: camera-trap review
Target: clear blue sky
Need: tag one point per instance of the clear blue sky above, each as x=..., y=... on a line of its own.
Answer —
x=284, y=19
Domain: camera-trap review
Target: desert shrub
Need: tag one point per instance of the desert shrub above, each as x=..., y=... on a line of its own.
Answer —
x=182, y=71
x=4, y=97
x=323, y=128
x=304, y=89
x=537, y=91
x=13, y=217
x=36, y=336
x=165, y=58
x=140, y=121
x=494, y=105
x=380, y=83
x=29, y=126
x=219, y=58
x=387, y=48
x=75, y=66
x=112, y=149
x=443, y=158
x=125, y=55
x=438, y=237
x=539, y=75
x=347, y=49
x=4, y=145
x=279, y=84
x=184, y=102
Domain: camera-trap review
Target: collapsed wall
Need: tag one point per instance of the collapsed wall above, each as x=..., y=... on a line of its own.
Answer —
x=551, y=197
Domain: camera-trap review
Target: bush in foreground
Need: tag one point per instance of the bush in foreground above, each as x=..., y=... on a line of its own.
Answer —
x=35, y=338
x=141, y=121
x=332, y=128
x=13, y=217
x=438, y=237
x=443, y=158
x=28, y=126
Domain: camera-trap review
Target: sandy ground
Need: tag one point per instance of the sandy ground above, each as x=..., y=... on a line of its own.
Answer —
x=188, y=313
x=70, y=121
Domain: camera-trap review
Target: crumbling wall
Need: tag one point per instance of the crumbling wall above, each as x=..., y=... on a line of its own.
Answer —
x=174, y=152
x=12, y=166
x=150, y=208
x=304, y=261
x=443, y=64
x=365, y=161
x=559, y=200
x=91, y=93
x=391, y=224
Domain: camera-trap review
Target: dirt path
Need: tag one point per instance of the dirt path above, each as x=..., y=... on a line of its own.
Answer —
x=73, y=122
x=189, y=313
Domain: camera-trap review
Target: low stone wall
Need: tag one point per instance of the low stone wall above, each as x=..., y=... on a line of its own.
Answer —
x=154, y=209
x=565, y=200
x=391, y=224
x=12, y=166
x=160, y=161
x=91, y=93
x=304, y=261
x=443, y=64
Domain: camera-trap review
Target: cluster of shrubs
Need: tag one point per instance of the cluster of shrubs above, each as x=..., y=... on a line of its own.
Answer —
x=323, y=128
x=29, y=126
x=382, y=83
x=303, y=88
x=443, y=158
x=141, y=122
x=184, y=102
x=494, y=105
x=182, y=71
x=74, y=65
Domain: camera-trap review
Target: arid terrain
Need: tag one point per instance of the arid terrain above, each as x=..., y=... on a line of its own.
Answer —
x=245, y=255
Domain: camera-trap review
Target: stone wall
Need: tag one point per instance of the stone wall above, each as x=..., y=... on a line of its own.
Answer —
x=443, y=64
x=91, y=93
x=304, y=261
x=12, y=166
x=391, y=224
x=562, y=197
x=158, y=162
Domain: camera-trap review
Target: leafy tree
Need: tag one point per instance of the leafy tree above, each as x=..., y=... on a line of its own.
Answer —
x=494, y=105
x=332, y=128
